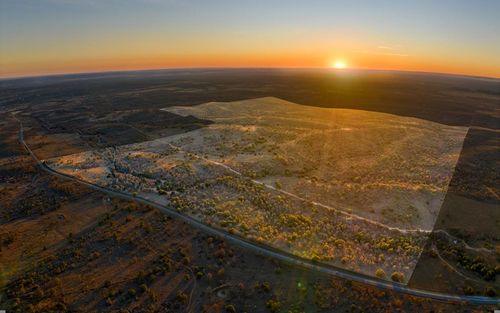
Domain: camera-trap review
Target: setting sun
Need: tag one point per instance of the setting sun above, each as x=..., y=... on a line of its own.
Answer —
x=338, y=64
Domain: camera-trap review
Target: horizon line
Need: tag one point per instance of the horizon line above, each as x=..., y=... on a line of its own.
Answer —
x=57, y=74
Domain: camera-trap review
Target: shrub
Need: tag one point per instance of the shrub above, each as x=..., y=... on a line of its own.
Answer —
x=182, y=297
x=490, y=292
x=380, y=273
x=469, y=290
x=144, y=288
x=398, y=277
x=220, y=253
x=132, y=292
x=61, y=307
x=266, y=286
x=220, y=272
x=278, y=185
x=273, y=305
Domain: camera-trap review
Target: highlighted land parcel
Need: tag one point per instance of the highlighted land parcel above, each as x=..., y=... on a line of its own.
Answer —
x=360, y=190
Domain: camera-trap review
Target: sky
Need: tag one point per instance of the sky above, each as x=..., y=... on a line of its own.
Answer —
x=39, y=37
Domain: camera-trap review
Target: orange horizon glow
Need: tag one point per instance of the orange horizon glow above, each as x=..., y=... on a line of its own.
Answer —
x=368, y=62
x=57, y=37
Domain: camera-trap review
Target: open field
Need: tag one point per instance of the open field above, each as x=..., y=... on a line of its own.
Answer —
x=71, y=114
x=95, y=254
x=313, y=203
x=391, y=169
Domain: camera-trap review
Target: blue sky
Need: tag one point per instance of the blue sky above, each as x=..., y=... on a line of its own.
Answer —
x=36, y=33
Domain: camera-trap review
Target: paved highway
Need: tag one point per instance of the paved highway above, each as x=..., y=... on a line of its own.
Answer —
x=267, y=250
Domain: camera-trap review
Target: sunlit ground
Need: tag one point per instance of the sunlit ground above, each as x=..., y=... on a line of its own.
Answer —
x=297, y=178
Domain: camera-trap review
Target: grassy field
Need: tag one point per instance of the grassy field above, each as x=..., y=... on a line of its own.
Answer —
x=298, y=178
x=91, y=253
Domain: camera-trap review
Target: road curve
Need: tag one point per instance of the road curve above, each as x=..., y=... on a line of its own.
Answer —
x=267, y=250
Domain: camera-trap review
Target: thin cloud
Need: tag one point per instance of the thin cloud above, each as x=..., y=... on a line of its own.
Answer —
x=394, y=54
x=389, y=47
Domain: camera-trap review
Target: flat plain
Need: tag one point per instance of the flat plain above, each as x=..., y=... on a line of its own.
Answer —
x=65, y=247
x=357, y=189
